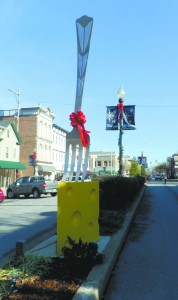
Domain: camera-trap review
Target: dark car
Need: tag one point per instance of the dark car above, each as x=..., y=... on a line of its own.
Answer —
x=158, y=177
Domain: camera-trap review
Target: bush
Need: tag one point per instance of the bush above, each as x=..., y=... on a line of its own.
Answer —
x=118, y=192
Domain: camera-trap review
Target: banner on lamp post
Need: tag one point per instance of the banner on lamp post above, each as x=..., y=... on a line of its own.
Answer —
x=111, y=118
x=142, y=160
x=31, y=160
x=128, y=117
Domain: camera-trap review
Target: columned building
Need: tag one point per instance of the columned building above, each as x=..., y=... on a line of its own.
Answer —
x=101, y=162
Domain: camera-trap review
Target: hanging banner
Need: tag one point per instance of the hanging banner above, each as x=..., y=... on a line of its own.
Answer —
x=111, y=118
x=142, y=160
x=129, y=117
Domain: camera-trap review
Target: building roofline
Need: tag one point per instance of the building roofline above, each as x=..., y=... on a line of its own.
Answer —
x=60, y=128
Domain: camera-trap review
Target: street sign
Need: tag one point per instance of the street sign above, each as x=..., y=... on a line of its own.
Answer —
x=31, y=160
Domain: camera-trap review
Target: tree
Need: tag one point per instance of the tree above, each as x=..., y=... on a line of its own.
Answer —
x=161, y=168
x=135, y=169
x=143, y=171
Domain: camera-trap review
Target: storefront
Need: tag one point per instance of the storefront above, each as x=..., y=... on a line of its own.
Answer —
x=9, y=171
x=48, y=171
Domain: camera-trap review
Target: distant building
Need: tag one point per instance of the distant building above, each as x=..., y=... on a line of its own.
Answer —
x=101, y=162
x=172, y=166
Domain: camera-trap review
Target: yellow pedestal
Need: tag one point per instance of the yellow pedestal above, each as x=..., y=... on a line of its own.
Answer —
x=78, y=212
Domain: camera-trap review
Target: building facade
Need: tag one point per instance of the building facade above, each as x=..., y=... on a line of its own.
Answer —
x=59, y=148
x=10, y=142
x=36, y=131
x=101, y=162
x=172, y=166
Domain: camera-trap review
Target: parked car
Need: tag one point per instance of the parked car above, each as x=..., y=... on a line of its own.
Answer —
x=158, y=177
x=32, y=185
x=1, y=196
x=87, y=178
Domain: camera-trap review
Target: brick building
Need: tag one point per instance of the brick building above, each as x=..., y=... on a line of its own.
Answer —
x=36, y=132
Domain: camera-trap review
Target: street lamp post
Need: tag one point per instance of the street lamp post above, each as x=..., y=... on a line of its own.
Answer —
x=18, y=105
x=111, y=163
x=18, y=110
x=120, y=95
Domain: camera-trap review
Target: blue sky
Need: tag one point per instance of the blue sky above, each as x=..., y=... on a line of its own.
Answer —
x=134, y=44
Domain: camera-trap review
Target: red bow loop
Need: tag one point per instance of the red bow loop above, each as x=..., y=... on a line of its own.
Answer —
x=120, y=111
x=78, y=120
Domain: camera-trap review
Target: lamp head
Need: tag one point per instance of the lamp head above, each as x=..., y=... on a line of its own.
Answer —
x=121, y=94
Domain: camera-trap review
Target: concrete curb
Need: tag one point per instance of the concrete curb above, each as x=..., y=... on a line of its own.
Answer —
x=97, y=280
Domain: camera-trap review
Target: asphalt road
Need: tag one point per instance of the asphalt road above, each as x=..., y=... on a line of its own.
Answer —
x=147, y=267
x=22, y=219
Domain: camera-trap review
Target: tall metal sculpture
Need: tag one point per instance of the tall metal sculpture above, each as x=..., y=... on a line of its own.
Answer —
x=78, y=140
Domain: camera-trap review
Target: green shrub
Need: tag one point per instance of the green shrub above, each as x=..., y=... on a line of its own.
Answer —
x=118, y=192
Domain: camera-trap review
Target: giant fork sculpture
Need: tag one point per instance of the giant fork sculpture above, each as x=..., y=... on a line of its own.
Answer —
x=78, y=140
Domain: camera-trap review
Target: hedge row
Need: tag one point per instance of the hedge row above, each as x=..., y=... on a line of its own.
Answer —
x=118, y=192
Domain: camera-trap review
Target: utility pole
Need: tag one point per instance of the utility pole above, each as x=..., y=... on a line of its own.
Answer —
x=18, y=105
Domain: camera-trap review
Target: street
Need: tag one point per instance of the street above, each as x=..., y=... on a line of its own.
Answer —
x=21, y=219
x=147, y=267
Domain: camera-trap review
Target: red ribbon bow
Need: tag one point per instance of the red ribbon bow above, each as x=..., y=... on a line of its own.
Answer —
x=120, y=111
x=78, y=120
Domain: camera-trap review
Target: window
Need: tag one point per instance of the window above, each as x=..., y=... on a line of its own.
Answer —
x=45, y=152
x=49, y=132
x=14, y=153
x=49, y=154
x=99, y=163
x=8, y=133
x=41, y=129
x=7, y=152
x=45, y=131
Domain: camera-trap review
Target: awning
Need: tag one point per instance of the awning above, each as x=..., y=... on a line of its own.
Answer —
x=45, y=168
x=4, y=164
